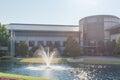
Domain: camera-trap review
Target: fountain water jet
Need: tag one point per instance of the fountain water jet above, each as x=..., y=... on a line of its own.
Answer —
x=47, y=56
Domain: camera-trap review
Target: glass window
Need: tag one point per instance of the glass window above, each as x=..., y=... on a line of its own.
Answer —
x=114, y=40
x=111, y=19
x=92, y=20
x=64, y=43
x=57, y=43
x=48, y=43
x=31, y=43
x=40, y=43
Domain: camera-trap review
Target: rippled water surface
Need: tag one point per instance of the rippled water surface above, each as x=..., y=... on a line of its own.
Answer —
x=65, y=71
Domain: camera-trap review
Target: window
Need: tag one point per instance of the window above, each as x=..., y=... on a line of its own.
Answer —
x=111, y=19
x=31, y=43
x=64, y=43
x=57, y=43
x=114, y=40
x=92, y=43
x=40, y=43
x=91, y=20
x=48, y=43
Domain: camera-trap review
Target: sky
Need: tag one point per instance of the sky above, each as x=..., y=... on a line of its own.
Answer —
x=64, y=12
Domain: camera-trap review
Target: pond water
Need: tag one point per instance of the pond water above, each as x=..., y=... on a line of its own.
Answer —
x=69, y=71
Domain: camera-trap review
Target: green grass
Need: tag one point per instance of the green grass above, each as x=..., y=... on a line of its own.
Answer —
x=63, y=60
x=102, y=61
x=39, y=60
x=5, y=58
x=21, y=77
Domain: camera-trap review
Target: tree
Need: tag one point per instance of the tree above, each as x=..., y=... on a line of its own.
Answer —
x=21, y=49
x=118, y=46
x=72, y=47
x=4, y=35
x=110, y=46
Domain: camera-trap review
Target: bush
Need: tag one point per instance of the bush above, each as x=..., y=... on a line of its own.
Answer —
x=21, y=49
x=72, y=47
x=117, y=49
x=5, y=58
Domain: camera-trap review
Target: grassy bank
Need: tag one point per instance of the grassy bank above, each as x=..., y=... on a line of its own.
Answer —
x=64, y=60
x=39, y=60
x=95, y=60
x=21, y=77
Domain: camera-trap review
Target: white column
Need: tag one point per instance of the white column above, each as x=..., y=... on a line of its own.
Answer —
x=12, y=45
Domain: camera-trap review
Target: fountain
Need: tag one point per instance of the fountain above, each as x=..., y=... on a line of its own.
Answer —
x=67, y=71
x=47, y=56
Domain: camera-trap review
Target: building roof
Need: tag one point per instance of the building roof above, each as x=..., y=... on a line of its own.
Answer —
x=42, y=27
x=99, y=16
x=57, y=25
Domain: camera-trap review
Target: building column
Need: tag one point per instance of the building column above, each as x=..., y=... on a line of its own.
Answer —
x=12, y=44
x=81, y=40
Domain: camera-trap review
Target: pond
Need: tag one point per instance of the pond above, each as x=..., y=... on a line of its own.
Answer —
x=70, y=71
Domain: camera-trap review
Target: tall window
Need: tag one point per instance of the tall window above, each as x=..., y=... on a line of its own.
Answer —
x=31, y=43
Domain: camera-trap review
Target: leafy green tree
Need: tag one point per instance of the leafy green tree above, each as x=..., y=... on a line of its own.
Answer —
x=110, y=46
x=4, y=35
x=21, y=48
x=72, y=47
x=118, y=46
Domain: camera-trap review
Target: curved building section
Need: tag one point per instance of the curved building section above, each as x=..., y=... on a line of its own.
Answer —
x=94, y=31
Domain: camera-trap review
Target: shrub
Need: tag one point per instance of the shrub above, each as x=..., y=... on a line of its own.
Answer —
x=72, y=47
x=21, y=49
x=5, y=58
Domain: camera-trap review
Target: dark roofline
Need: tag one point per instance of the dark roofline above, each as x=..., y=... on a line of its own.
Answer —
x=99, y=16
x=44, y=24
